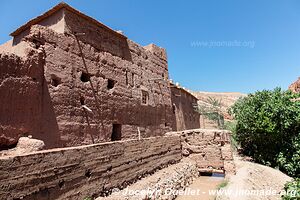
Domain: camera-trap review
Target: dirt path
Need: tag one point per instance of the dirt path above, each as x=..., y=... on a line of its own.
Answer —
x=254, y=182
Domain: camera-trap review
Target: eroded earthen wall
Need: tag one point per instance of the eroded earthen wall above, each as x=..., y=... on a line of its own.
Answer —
x=25, y=107
x=125, y=86
x=122, y=92
x=211, y=149
x=122, y=74
x=79, y=172
x=183, y=108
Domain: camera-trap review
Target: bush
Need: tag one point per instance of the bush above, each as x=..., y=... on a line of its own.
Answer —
x=289, y=158
x=230, y=125
x=292, y=190
x=268, y=127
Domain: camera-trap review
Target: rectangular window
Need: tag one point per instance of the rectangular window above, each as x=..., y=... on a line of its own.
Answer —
x=145, y=97
x=132, y=80
x=126, y=78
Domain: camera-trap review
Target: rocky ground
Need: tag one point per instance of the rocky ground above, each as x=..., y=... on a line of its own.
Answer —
x=254, y=182
x=249, y=183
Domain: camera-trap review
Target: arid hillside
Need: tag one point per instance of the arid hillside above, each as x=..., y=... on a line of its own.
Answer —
x=226, y=99
x=295, y=87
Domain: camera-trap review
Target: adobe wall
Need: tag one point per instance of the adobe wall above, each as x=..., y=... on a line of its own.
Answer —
x=101, y=38
x=125, y=87
x=185, y=115
x=122, y=104
x=85, y=171
x=121, y=72
x=25, y=106
x=207, y=123
x=211, y=149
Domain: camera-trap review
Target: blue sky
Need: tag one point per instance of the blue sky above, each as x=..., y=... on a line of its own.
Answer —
x=241, y=45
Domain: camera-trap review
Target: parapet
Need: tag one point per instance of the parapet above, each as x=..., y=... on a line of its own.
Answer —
x=156, y=50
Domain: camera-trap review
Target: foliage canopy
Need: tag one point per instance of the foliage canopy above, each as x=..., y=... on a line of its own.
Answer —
x=268, y=128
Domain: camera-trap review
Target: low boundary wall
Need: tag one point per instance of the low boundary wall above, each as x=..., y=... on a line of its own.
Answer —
x=210, y=148
x=79, y=172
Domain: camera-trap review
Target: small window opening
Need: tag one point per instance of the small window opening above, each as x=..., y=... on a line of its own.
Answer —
x=61, y=183
x=110, y=84
x=145, y=97
x=126, y=78
x=88, y=173
x=116, y=132
x=132, y=79
x=85, y=77
x=55, y=81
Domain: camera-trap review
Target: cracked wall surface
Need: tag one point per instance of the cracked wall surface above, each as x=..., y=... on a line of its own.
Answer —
x=184, y=112
x=25, y=100
x=125, y=85
x=84, y=171
x=211, y=149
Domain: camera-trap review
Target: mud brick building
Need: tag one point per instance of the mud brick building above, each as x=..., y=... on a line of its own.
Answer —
x=183, y=105
x=69, y=80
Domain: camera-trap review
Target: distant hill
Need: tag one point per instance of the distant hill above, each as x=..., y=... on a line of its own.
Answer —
x=295, y=87
x=227, y=99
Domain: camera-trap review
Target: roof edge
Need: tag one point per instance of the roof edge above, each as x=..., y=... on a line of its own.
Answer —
x=183, y=89
x=55, y=9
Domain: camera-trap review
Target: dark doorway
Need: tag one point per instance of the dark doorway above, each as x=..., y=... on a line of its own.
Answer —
x=116, y=132
x=110, y=84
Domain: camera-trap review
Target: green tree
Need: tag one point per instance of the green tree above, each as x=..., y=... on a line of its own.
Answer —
x=292, y=190
x=268, y=127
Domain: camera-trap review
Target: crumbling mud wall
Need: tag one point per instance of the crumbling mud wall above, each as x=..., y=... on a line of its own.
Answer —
x=85, y=171
x=183, y=108
x=211, y=149
x=25, y=107
x=122, y=94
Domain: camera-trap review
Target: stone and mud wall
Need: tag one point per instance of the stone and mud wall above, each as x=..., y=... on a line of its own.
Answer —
x=99, y=169
x=211, y=149
x=123, y=94
x=163, y=184
x=185, y=115
x=69, y=80
x=85, y=171
x=127, y=94
x=25, y=106
x=127, y=99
